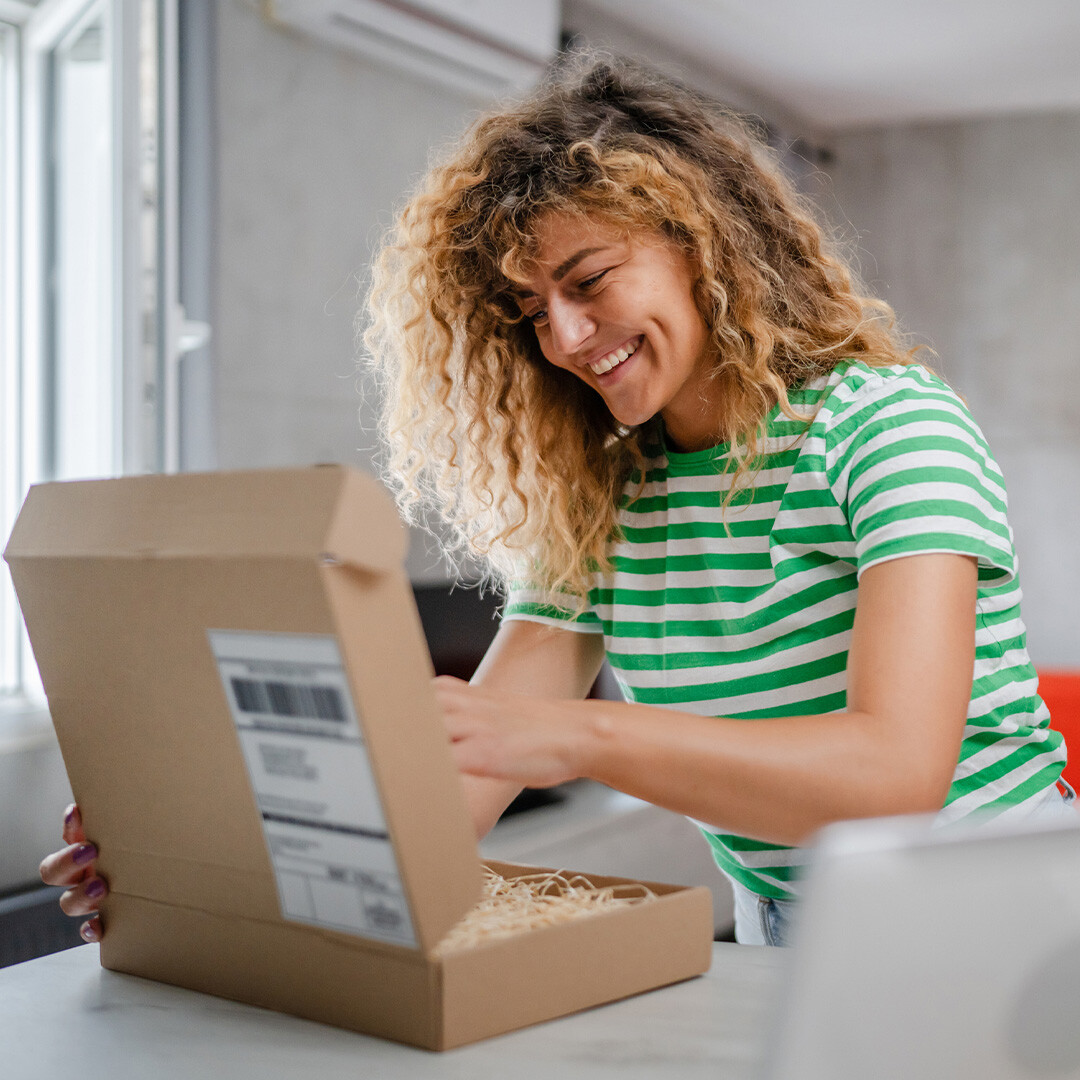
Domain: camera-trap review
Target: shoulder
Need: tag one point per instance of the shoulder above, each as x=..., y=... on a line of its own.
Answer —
x=859, y=401
x=855, y=385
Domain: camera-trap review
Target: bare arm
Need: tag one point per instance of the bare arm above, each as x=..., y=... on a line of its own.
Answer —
x=536, y=661
x=893, y=750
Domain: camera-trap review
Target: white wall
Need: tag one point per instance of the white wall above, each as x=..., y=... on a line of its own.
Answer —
x=971, y=230
x=315, y=148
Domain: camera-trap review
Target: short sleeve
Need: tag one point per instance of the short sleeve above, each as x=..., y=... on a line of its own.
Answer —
x=914, y=475
x=530, y=603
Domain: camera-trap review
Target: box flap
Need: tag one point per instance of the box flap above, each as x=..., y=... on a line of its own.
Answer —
x=129, y=588
x=326, y=509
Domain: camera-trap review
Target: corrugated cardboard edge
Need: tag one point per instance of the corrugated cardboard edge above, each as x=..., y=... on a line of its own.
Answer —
x=521, y=980
x=363, y=508
x=327, y=509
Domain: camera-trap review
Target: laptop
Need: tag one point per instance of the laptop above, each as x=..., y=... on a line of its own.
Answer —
x=923, y=953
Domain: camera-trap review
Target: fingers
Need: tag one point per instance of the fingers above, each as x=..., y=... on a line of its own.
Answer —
x=73, y=866
x=85, y=897
x=464, y=707
x=449, y=680
x=73, y=826
x=69, y=865
x=90, y=930
x=453, y=693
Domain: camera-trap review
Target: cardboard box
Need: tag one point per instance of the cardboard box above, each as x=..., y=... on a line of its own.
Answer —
x=241, y=690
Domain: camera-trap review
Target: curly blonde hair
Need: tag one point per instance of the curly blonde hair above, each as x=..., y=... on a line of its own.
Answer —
x=522, y=459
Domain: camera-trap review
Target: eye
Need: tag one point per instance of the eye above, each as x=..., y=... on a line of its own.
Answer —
x=537, y=318
x=589, y=282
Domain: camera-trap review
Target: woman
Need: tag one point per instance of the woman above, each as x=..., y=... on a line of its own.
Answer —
x=627, y=367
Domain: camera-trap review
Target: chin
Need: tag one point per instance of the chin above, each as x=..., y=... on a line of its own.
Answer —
x=632, y=418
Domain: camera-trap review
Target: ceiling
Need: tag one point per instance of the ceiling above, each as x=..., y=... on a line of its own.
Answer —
x=835, y=64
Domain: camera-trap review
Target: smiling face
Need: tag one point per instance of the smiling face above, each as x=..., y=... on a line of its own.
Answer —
x=619, y=314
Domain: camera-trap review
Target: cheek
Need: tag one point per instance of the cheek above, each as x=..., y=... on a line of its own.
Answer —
x=692, y=326
x=702, y=337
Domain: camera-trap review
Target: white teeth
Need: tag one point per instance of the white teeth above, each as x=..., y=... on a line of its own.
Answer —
x=613, y=359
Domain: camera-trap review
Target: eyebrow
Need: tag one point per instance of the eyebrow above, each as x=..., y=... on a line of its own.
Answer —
x=562, y=269
x=567, y=265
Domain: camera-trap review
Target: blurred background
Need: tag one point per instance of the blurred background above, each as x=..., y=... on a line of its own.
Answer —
x=190, y=192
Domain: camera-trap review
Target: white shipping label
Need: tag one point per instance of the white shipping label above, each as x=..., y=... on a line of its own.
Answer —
x=310, y=771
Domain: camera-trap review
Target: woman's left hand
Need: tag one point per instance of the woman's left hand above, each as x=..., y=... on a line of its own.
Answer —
x=531, y=741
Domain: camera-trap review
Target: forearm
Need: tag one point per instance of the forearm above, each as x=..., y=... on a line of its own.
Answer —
x=487, y=799
x=776, y=780
x=894, y=750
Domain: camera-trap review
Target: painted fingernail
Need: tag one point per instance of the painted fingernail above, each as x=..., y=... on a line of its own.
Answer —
x=95, y=888
x=83, y=854
x=69, y=814
x=86, y=932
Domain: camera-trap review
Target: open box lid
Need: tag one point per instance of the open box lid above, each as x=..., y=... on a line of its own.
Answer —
x=140, y=593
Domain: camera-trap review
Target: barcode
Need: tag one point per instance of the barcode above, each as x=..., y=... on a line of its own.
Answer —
x=288, y=699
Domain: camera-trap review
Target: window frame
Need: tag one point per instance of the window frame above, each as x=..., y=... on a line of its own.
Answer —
x=146, y=372
x=14, y=16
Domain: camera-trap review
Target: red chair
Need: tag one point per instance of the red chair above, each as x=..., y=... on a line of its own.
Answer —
x=1060, y=690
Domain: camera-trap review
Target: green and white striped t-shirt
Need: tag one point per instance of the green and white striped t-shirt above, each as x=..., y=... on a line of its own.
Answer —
x=754, y=619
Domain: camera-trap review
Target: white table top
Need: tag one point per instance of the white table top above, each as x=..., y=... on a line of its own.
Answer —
x=64, y=1015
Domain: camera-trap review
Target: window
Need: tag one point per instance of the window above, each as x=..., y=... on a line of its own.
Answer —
x=88, y=331
x=80, y=429
x=9, y=329
x=91, y=330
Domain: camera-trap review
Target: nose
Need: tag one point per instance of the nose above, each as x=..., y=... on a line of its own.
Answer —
x=570, y=324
